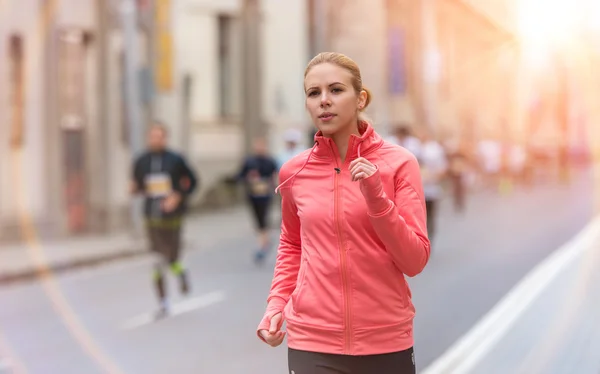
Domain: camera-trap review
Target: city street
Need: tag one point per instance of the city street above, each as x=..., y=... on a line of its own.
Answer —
x=92, y=321
x=120, y=115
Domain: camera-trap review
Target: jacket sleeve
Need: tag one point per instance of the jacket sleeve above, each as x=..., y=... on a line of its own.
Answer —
x=137, y=175
x=288, y=258
x=189, y=176
x=401, y=224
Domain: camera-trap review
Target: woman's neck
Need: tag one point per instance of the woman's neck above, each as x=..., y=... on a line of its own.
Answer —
x=342, y=139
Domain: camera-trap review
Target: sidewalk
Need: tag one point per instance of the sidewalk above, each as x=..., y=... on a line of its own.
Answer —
x=201, y=232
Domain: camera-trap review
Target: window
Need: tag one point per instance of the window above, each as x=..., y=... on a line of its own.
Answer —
x=228, y=64
x=17, y=90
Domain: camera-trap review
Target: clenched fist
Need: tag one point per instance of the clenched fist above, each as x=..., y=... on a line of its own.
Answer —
x=361, y=168
x=274, y=336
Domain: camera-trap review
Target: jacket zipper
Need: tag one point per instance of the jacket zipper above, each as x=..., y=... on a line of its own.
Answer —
x=343, y=260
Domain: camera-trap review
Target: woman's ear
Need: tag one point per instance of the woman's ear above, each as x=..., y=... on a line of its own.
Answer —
x=362, y=100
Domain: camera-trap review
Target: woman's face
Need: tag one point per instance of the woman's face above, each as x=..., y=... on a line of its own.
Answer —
x=331, y=101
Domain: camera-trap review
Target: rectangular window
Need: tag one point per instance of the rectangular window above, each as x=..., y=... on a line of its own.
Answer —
x=229, y=62
x=72, y=53
x=17, y=90
x=224, y=65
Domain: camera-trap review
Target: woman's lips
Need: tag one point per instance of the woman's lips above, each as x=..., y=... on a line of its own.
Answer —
x=326, y=117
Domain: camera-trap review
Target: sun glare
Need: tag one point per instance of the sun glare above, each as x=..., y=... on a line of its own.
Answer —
x=549, y=26
x=547, y=22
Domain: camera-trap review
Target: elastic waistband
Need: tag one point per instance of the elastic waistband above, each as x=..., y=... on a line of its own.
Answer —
x=365, y=341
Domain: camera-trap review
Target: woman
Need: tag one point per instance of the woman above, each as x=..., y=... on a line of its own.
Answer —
x=353, y=225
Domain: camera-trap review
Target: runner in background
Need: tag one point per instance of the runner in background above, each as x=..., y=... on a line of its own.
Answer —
x=403, y=136
x=166, y=181
x=292, y=139
x=434, y=166
x=459, y=169
x=258, y=172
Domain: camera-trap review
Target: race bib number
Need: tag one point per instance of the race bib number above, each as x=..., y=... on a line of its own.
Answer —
x=259, y=187
x=158, y=185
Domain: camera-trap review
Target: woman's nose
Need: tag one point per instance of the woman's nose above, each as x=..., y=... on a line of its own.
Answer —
x=325, y=99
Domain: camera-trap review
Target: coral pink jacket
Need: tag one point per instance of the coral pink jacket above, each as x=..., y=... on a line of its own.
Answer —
x=345, y=248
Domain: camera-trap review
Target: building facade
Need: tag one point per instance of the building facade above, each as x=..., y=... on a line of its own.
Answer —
x=65, y=151
x=443, y=65
x=49, y=115
x=210, y=57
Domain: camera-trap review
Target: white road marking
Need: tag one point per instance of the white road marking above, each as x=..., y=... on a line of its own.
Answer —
x=176, y=309
x=470, y=349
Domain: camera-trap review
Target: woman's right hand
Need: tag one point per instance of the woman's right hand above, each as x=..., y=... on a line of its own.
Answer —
x=274, y=336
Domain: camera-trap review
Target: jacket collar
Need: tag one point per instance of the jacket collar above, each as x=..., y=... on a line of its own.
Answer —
x=359, y=145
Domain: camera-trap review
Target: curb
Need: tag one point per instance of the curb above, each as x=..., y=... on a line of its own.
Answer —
x=37, y=272
x=44, y=272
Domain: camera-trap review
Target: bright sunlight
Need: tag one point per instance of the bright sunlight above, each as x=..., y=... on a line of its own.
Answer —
x=546, y=26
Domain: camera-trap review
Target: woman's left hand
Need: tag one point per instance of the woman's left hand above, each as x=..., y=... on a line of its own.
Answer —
x=361, y=168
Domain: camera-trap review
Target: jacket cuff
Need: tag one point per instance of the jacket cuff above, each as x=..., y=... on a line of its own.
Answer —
x=372, y=190
x=276, y=305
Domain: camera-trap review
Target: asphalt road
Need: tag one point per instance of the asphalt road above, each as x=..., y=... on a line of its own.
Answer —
x=86, y=321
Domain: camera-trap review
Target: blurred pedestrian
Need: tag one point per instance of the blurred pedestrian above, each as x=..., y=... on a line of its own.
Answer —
x=166, y=181
x=311, y=134
x=353, y=227
x=434, y=168
x=258, y=172
x=458, y=171
x=489, y=153
x=292, y=139
x=404, y=137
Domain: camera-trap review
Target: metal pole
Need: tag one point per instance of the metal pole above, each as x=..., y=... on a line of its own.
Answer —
x=132, y=94
x=252, y=79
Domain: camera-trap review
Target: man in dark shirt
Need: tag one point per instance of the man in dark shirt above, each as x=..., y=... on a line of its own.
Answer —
x=166, y=181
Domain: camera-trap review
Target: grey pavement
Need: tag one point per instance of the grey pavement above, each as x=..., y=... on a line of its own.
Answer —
x=560, y=332
x=73, y=323
x=34, y=257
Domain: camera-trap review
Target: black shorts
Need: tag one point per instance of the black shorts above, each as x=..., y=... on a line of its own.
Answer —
x=165, y=241
x=301, y=362
x=431, y=207
x=260, y=208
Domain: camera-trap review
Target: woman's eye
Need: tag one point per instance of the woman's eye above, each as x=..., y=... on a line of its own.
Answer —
x=313, y=93
x=336, y=90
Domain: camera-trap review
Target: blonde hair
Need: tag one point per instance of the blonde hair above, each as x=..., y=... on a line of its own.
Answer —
x=344, y=62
